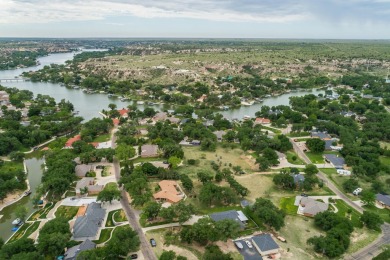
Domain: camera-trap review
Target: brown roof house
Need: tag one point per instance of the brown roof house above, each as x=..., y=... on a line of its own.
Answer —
x=149, y=150
x=160, y=116
x=262, y=121
x=82, y=169
x=87, y=186
x=310, y=207
x=169, y=192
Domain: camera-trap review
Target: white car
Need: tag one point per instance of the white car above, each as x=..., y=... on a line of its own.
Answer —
x=249, y=244
x=239, y=245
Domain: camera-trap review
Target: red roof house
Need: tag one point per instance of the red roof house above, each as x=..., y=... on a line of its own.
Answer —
x=69, y=143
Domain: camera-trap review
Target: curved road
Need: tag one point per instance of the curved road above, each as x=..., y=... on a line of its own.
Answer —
x=370, y=250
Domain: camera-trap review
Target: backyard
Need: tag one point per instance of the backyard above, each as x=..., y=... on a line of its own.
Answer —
x=68, y=212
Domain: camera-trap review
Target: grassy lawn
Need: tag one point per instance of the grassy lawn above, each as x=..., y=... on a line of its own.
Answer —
x=109, y=222
x=31, y=229
x=38, y=214
x=44, y=214
x=102, y=138
x=287, y=204
x=384, y=213
x=104, y=235
x=385, y=160
x=120, y=216
x=276, y=131
x=222, y=156
x=259, y=185
x=68, y=212
x=360, y=238
x=290, y=155
x=20, y=232
x=297, y=231
x=143, y=160
x=343, y=211
x=315, y=157
x=298, y=134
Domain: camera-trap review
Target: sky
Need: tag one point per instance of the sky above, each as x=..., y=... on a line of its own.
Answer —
x=315, y=19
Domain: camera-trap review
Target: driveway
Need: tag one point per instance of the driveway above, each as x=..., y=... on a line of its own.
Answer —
x=77, y=201
x=248, y=253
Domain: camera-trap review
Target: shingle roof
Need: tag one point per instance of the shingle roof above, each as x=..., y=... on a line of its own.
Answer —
x=265, y=242
x=149, y=150
x=230, y=214
x=88, y=225
x=168, y=191
x=298, y=178
x=82, y=169
x=72, y=252
x=321, y=135
x=312, y=206
x=385, y=199
x=337, y=161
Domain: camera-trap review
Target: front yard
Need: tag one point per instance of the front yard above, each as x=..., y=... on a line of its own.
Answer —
x=68, y=212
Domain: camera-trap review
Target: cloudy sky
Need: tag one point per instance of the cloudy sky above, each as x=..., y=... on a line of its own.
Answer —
x=344, y=19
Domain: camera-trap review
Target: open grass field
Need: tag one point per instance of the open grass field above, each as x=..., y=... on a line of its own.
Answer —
x=68, y=212
x=297, y=231
x=259, y=185
x=102, y=138
x=222, y=156
x=315, y=157
x=287, y=204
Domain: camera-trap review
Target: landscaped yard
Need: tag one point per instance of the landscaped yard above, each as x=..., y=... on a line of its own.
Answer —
x=102, y=138
x=104, y=235
x=109, y=222
x=384, y=213
x=120, y=216
x=291, y=156
x=31, y=229
x=68, y=212
x=287, y=204
x=20, y=232
x=315, y=157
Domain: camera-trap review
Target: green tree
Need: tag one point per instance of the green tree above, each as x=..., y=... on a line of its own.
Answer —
x=350, y=185
x=310, y=169
x=371, y=220
x=152, y=209
x=316, y=145
x=265, y=210
x=368, y=197
x=285, y=181
x=124, y=152
x=109, y=193
x=214, y=252
x=123, y=241
x=227, y=228
x=174, y=162
x=186, y=182
x=21, y=212
x=167, y=255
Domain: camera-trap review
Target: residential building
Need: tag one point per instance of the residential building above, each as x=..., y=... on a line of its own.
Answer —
x=82, y=169
x=219, y=135
x=337, y=161
x=298, y=179
x=149, y=150
x=320, y=135
x=160, y=116
x=265, y=245
x=68, y=144
x=383, y=200
x=170, y=192
x=344, y=172
x=236, y=215
x=123, y=112
x=89, y=183
x=310, y=207
x=87, y=226
x=72, y=253
x=262, y=121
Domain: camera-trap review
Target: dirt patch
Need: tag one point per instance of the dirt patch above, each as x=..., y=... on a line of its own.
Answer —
x=182, y=252
x=251, y=161
x=227, y=247
x=259, y=185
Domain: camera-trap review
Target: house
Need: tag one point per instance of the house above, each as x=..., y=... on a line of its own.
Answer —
x=262, y=121
x=104, y=145
x=236, y=215
x=82, y=169
x=169, y=192
x=310, y=207
x=383, y=200
x=321, y=135
x=328, y=144
x=298, y=179
x=195, y=142
x=115, y=121
x=143, y=131
x=149, y=150
x=174, y=120
x=159, y=164
x=89, y=183
x=337, y=161
x=219, y=135
x=265, y=245
x=123, y=112
x=344, y=172
x=68, y=144
x=87, y=226
x=71, y=253
x=160, y=116
x=208, y=123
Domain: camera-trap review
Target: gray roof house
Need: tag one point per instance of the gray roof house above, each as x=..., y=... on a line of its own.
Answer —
x=71, y=253
x=265, y=245
x=337, y=161
x=149, y=150
x=82, y=169
x=310, y=207
x=87, y=226
x=328, y=144
x=383, y=200
x=236, y=215
x=298, y=178
x=219, y=135
x=321, y=135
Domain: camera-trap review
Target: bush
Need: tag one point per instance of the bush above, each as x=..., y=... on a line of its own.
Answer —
x=192, y=162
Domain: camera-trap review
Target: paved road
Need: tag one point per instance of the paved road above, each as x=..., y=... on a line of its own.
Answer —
x=146, y=249
x=372, y=249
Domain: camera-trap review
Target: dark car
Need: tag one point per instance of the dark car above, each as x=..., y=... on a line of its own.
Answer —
x=134, y=256
x=100, y=167
x=304, y=195
x=153, y=242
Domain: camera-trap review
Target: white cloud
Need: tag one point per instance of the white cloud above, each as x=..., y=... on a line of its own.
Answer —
x=44, y=11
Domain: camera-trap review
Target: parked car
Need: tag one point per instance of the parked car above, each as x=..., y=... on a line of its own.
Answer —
x=249, y=244
x=134, y=256
x=153, y=242
x=304, y=195
x=100, y=167
x=239, y=245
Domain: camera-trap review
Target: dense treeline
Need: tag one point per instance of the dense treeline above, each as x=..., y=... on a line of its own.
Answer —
x=12, y=177
x=20, y=59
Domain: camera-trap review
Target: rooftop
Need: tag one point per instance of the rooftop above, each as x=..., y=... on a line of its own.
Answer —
x=72, y=252
x=149, y=150
x=235, y=215
x=337, y=161
x=385, y=199
x=168, y=191
x=265, y=242
x=88, y=225
x=70, y=141
x=321, y=135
